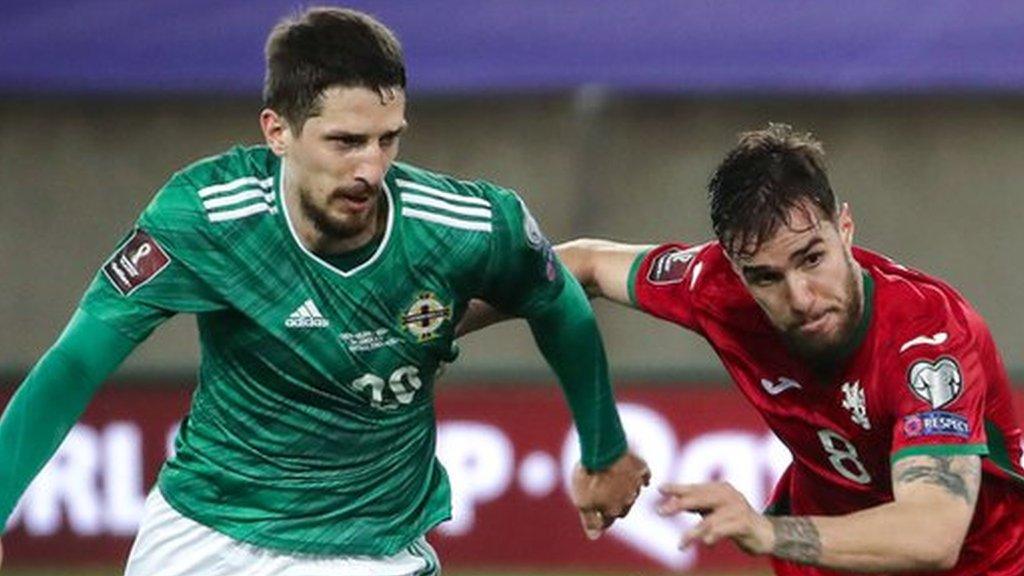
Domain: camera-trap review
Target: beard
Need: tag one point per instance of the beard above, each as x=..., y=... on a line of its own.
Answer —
x=822, y=351
x=330, y=225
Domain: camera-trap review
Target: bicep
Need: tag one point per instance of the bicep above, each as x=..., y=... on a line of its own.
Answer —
x=948, y=485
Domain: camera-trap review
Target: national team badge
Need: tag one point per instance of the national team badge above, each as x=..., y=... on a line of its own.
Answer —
x=535, y=239
x=425, y=316
x=135, y=263
x=670, y=266
x=854, y=401
x=938, y=383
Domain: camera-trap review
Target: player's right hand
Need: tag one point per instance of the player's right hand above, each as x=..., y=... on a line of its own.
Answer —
x=605, y=495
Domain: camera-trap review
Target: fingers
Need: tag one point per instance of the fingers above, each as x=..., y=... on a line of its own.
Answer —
x=594, y=523
x=697, y=498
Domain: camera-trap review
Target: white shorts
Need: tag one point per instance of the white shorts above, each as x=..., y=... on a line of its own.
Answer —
x=169, y=544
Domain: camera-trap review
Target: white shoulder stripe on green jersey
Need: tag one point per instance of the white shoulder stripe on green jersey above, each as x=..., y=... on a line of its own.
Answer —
x=446, y=220
x=208, y=191
x=238, y=212
x=239, y=198
x=432, y=202
x=222, y=201
x=450, y=196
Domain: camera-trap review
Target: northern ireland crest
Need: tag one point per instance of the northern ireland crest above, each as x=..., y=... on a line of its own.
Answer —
x=425, y=316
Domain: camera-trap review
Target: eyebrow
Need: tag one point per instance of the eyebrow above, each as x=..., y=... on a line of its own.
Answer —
x=331, y=134
x=755, y=271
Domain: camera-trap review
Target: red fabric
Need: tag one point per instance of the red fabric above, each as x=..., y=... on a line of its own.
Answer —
x=921, y=331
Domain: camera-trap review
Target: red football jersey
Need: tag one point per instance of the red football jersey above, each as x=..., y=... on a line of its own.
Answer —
x=922, y=377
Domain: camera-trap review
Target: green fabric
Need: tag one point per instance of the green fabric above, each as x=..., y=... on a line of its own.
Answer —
x=857, y=338
x=631, y=281
x=312, y=428
x=940, y=450
x=999, y=454
x=346, y=261
x=50, y=400
x=566, y=333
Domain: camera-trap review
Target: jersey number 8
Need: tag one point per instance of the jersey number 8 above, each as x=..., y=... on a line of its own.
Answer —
x=843, y=456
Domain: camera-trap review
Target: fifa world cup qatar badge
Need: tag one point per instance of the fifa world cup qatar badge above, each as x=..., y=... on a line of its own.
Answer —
x=670, y=266
x=135, y=263
x=938, y=383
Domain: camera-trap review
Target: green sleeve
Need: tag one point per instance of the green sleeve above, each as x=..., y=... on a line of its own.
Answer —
x=566, y=333
x=52, y=397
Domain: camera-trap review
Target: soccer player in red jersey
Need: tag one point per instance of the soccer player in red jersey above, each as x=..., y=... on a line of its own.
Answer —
x=883, y=381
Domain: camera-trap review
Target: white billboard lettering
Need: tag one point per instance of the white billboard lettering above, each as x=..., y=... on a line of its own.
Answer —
x=479, y=458
x=643, y=529
x=729, y=456
x=124, y=497
x=172, y=435
x=68, y=482
x=750, y=462
x=538, y=474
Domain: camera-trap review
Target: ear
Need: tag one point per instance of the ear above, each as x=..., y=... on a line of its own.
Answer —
x=846, y=225
x=276, y=131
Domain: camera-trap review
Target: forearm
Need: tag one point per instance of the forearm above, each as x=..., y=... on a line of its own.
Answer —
x=602, y=267
x=567, y=335
x=479, y=315
x=50, y=400
x=889, y=537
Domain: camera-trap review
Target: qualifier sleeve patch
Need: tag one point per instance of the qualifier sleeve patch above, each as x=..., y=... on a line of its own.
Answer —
x=670, y=266
x=135, y=263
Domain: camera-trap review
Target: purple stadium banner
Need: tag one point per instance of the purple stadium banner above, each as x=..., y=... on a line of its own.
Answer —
x=464, y=46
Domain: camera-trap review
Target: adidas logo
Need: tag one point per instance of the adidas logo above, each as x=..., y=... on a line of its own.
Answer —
x=307, y=316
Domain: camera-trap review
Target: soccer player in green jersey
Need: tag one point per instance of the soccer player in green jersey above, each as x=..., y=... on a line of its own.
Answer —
x=326, y=280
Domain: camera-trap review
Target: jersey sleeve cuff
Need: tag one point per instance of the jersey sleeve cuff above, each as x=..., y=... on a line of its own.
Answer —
x=940, y=450
x=633, y=270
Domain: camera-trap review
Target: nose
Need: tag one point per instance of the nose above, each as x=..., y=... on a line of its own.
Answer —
x=372, y=166
x=801, y=294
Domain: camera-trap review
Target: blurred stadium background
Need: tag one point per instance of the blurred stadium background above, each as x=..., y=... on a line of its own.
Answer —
x=607, y=116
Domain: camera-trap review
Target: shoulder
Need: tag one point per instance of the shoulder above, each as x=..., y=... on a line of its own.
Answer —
x=918, y=311
x=219, y=189
x=441, y=199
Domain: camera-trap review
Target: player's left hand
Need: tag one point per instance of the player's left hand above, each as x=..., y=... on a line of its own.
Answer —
x=725, y=514
x=606, y=495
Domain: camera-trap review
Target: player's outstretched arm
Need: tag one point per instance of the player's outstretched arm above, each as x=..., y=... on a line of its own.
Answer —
x=601, y=266
x=922, y=529
x=610, y=478
x=52, y=397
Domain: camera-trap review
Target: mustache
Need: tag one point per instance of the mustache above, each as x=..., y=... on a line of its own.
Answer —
x=359, y=189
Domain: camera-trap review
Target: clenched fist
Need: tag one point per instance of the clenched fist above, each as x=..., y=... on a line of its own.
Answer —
x=602, y=496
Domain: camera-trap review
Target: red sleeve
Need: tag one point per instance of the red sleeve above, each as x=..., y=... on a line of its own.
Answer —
x=662, y=282
x=939, y=401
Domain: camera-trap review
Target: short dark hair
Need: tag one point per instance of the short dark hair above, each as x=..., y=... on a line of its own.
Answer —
x=326, y=47
x=768, y=173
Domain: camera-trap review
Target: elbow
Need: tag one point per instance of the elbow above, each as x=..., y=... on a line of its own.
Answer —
x=938, y=554
x=576, y=255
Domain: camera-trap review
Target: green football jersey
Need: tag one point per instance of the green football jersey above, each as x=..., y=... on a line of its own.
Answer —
x=312, y=428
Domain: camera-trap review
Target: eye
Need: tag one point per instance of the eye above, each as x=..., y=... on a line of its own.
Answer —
x=764, y=280
x=388, y=140
x=813, y=259
x=347, y=142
